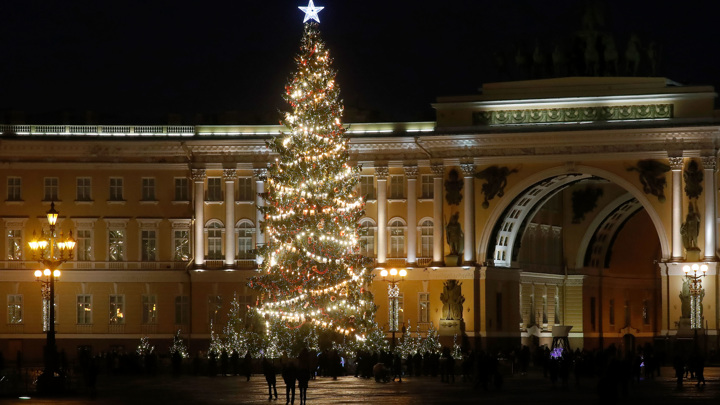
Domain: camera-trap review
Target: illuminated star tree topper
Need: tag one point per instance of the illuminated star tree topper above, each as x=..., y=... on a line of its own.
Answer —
x=311, y=12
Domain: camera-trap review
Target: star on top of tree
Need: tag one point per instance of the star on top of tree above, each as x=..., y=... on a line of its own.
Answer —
x=311, y=12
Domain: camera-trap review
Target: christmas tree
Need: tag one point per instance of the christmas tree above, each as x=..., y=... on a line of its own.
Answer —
x=312, y=277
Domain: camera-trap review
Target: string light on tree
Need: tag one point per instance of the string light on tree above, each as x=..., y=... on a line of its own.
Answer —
x=313, y=276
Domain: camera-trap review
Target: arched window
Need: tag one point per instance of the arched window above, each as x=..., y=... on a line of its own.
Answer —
x=426, y=238
x=397, y=238
x=245, y=231
x=214, y=230
x=367, y=237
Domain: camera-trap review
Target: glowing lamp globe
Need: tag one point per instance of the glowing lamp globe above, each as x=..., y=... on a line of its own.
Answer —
x=403, y=272
x=393, y=272
x=384, y=273
x=38, y=273
x=47, y=272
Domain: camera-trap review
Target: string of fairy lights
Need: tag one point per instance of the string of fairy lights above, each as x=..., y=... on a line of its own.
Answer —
x=313, y=272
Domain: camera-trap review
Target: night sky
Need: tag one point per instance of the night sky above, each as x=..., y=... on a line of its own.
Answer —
x=136, y=62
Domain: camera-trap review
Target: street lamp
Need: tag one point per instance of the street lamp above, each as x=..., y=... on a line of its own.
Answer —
x=393, y=293
x=694, y=274
x=51, y=251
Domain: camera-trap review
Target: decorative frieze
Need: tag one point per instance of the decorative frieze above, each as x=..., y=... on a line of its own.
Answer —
x=575, y=114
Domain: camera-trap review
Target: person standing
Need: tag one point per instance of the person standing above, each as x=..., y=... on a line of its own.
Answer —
x=270, y=378
x=289, y=375
x=303, y=378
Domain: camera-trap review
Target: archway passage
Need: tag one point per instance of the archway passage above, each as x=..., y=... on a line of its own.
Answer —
x=588, y=227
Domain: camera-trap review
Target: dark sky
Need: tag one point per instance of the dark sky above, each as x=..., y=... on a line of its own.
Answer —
x=137, y=61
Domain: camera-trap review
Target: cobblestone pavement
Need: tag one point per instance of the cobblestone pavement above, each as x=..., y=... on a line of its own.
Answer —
x=531, y=388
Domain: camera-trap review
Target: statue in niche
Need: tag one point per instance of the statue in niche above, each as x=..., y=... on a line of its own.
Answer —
x=454, y=235
x=584, y=201
x=690, y=229
x=453, y=186
x=632, y=55
x=693, y=180
x=652, y=177
x=495, y=181
x=685, y=299
x=452, y=300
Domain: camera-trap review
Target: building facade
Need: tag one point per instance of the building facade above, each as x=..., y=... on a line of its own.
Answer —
x=532, y=206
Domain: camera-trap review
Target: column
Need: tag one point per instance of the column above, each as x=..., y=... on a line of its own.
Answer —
x=198, y=176
x=381, y=173
x=709, y=165
x=411, y=173
x=469, y=213
x=260, y=176
x=439, y=172
x=229, y=177
x=676, y=164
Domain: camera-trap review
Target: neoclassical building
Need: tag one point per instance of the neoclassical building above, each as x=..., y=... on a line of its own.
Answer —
x=571, y=202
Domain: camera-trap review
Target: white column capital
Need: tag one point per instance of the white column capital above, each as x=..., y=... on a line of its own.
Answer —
x=438, y=170
x=676, y=163
x=411, y=172
x=468, y=169
x=198, y=175
x=381, y=172
x=260, y=174
x=229, y=175
x=709, y=162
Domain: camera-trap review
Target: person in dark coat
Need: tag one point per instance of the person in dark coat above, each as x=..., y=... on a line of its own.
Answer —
x=270, y=377
x=247, y=365
x=303, y=379
x=289, y=375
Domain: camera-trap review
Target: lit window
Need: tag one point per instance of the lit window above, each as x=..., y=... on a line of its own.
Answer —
x=426, y=186
x=214, y=241
x=426, y=238
x=117, y=309
x=83, y=238
x=424, y=307
x=397, y=238
x=149, y=308
x=245, y=240
x=84, y=309
x=367, y=187
x=14, y=309
x=14, y=244
x=148, y=246
x=181, y=245
x=116, y=245
x=367, y=238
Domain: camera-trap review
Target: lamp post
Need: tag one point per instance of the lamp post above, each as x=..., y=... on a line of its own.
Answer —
x=51, y=251
x=393, y=293
x=694, y=275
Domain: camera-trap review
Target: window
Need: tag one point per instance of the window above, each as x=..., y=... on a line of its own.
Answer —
x=148, y=189
x=426, y=238
x=182, y=310
x=397, y=238
x=148, y=246
x=181, y=245
x=14, y=189
x=245, y=189
x=214, y=191
x=214, y=241
x=367, y=238
x=46, y=313
x=367, y=187
x=116, y=245
x=84, y=309
x=14, y=244
x=182, y=189
x=397, y=187
x=245, y=240
x=84, y=245
x=149, y=309
x=424, y=307
x=214, y=306
x=611, y=312
x=83, y=185
x=117, y=309
x=51, y=186
x=14, y=309
x=116, y=189
x=426, y=186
